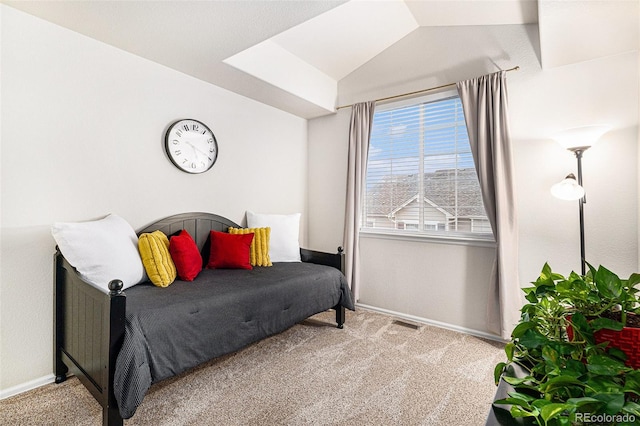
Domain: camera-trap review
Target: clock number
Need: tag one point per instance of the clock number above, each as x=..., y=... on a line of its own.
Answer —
x=177, y=152
x=186, y=127
x=175, y=141
x=179, y=132
x=195, y=127
x=193, y=165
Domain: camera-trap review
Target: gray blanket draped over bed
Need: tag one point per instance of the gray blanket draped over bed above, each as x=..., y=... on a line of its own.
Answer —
x=170, y=330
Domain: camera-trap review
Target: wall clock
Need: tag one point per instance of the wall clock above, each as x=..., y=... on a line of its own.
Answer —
x=191, y=146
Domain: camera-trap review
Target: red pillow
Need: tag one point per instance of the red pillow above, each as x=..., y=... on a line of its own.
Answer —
x=231, y=251
x=186, y=256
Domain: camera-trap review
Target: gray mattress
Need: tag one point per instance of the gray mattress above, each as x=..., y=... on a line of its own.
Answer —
x=170, y=330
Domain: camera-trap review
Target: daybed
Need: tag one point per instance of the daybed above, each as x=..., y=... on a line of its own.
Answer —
x=119, y=345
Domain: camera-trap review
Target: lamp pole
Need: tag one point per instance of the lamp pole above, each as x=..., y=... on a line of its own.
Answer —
x=578, y=152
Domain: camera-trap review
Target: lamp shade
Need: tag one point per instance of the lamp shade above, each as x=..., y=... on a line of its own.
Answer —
x=568, y=189
x=580, y=137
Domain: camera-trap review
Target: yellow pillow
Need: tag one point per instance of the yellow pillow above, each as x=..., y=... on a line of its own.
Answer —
x=259, y=255
x=154, y=251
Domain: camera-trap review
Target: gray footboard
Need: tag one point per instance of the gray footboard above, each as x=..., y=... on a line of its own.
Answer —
x=335, y=260
x=88, y=333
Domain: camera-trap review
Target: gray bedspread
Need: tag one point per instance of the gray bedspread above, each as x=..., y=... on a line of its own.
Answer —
x=170, y=330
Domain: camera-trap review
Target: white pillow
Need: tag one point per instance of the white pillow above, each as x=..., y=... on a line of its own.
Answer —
x=101, y=250
x=283, y=242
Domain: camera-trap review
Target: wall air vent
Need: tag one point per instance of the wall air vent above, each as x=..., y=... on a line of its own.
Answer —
x=407, y=324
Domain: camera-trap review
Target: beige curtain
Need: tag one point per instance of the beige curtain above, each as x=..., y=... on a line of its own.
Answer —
x=484, y=100
x=359, y=132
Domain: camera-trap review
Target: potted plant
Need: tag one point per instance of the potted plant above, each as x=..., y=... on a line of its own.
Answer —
x=611, y=306
x=568, y=375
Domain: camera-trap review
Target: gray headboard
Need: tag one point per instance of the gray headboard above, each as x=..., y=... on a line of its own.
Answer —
x=198, y=225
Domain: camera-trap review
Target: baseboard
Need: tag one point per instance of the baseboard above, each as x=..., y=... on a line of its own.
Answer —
x=27, y=386
x=472, y=332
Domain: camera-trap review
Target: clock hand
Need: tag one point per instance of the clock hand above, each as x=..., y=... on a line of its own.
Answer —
x=196, y=148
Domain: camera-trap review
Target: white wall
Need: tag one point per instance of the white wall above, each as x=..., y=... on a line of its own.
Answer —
x=542, y=102
x=82, y=136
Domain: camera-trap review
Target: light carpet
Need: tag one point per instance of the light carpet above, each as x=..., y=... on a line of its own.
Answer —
x=376, y=371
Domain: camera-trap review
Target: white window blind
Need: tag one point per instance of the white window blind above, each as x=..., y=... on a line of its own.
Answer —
x=420, y=172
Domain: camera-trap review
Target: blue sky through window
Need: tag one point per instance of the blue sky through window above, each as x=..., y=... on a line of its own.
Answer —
x=394, y=147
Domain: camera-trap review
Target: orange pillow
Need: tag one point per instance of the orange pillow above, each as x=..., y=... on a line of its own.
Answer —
x=186, y=256
x=230, y=251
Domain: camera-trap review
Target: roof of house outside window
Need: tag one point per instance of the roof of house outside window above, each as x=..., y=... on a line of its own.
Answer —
x=394, y=192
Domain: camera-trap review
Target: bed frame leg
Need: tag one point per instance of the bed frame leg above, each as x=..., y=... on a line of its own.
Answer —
x=110, y=412
x=111, y=417
x=61, y=370
x=340, y=316
x=59, y=367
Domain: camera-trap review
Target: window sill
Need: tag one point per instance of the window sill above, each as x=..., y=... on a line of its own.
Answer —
x=465, y=240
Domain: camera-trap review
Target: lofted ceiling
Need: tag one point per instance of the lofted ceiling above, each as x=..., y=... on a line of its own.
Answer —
x=292, y=54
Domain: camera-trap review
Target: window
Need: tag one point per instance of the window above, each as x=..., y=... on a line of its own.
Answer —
x=421, y=177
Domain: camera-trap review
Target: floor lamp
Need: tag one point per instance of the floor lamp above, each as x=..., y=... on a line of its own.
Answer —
x=577, y=140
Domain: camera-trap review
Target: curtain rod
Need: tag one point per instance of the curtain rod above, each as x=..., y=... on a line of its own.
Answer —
x=516, y=68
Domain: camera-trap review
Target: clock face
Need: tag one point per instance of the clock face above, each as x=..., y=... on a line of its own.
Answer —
x=191, y=146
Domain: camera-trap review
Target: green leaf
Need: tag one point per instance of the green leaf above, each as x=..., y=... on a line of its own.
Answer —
x=608, y=283
x=565, y=348
x=509, y=348
x=532, y=339
x=530, y=294
x=584, y=401
x=530, y=387
x=560, y=382
x=573, y=289
x=574, y=368
x=519, y=329
x=514, y=401
x=497, y=371
x=508, y=401
x=617, y=353
x=551, y=411
x=581, y=327
x=633, y=280
x=543, y=289
x=633, y=290
x=522, y=396
x=515, y=381
x=517, y=411
x=550, y=354
x=632, y=382
x=604, y=384
x=632, y=408
x=614, y=401
x=609, y=324
x=531, y=297
x=604, y=365
x=539, y=403
x=546, y=272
